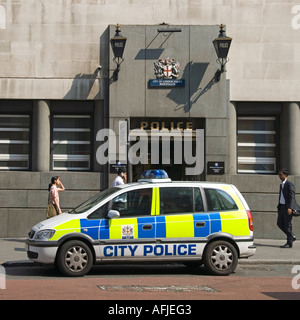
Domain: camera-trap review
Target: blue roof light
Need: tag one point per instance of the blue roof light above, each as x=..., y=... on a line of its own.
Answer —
x=154, y=175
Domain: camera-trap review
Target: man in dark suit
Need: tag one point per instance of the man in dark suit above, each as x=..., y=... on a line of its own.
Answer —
x=287, y=203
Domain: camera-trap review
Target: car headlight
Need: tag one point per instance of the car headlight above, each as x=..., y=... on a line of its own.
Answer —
x=45, y=234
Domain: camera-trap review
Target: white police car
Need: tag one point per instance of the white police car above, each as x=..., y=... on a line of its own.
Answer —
x=152, y=220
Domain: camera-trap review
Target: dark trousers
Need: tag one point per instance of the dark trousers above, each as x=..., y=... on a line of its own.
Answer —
x=284, y=222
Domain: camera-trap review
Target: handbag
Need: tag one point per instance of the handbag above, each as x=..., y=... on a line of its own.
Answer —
x=51, y=211
x=296, y=213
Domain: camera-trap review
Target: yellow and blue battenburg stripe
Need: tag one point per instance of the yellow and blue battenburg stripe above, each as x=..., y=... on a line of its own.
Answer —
x=187, y=226
x=197, y=225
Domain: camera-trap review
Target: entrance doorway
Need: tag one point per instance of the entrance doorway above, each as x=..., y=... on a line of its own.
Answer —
x=177, y=172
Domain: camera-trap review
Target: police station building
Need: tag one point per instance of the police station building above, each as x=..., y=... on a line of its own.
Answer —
x=71, y=78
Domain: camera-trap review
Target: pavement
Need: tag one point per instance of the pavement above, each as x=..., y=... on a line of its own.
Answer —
x=268, y=251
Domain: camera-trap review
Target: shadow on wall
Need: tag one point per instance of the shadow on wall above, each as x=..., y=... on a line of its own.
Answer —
x=85, y=86
x=195, y=71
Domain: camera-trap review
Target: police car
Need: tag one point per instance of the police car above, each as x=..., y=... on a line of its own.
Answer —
x=154, y=219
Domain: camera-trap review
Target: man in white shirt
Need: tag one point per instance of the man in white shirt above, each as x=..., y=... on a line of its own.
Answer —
x=121, y=178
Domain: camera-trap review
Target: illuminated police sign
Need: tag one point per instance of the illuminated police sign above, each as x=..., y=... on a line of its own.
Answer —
x=150, y=250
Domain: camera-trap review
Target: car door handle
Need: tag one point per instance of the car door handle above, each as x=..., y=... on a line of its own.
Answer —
x=147, y=227
x=200, y=224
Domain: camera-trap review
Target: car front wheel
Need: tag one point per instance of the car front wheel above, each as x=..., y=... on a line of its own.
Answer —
x=74, y=258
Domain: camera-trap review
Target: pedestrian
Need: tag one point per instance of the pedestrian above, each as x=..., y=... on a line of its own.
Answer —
x=54, y=188
x=121, y=178
x=286, y=204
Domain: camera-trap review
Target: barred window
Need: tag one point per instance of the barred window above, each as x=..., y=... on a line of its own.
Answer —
x=71, y=142
x=257, y=145
x=14, y=142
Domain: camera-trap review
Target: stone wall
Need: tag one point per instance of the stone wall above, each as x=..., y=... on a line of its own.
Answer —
x=24, y=197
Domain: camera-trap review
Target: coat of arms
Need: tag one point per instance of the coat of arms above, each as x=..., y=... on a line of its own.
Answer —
x=166, y=69
x=128, y=232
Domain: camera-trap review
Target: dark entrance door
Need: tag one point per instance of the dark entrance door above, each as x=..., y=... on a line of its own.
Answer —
x=177, y=172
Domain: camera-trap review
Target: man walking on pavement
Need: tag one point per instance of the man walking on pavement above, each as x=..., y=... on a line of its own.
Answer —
x=287, y=203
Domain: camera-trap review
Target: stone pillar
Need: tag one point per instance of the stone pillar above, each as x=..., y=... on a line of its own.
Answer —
x=231, y=167
x=41, y=136
x=100, y=122
x=290, y=137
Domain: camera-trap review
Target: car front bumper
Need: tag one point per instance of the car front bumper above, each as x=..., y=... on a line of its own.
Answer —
x=40, y=253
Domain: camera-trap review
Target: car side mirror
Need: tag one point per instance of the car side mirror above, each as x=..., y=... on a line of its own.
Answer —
x=113, y=214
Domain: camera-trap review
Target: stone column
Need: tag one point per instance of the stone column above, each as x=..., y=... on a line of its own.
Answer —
x=41, y=136
x=290, y=137
x=231, y=166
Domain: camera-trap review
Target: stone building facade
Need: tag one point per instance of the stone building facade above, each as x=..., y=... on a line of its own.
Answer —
x=57, y=92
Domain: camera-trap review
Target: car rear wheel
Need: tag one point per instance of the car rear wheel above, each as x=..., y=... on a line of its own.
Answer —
x=74, y=259
x=220, y=258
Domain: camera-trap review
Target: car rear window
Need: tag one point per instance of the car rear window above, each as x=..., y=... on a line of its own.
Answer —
x=219, y=200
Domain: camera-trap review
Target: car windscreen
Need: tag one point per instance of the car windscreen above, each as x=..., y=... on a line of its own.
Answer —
x=88, y=204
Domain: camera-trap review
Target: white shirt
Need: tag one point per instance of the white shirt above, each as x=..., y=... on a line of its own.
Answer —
x=117, y=181
x=282, y=200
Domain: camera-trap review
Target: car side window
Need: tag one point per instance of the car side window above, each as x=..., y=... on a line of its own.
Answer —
x=176, y=200
x=99, y=213
x=133, y=203
x=219, y=200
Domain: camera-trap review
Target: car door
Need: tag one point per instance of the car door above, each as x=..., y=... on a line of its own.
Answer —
x=124, y=237
x=181, y=214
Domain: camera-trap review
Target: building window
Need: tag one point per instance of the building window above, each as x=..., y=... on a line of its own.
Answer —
x=257, y=145
x=71, y=142
x=14, y=142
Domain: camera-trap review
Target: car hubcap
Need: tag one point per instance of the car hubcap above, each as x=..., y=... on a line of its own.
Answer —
x=76, y=259
x=222, y=257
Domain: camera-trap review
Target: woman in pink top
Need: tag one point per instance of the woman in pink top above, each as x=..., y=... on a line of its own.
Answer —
x=54, y=187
